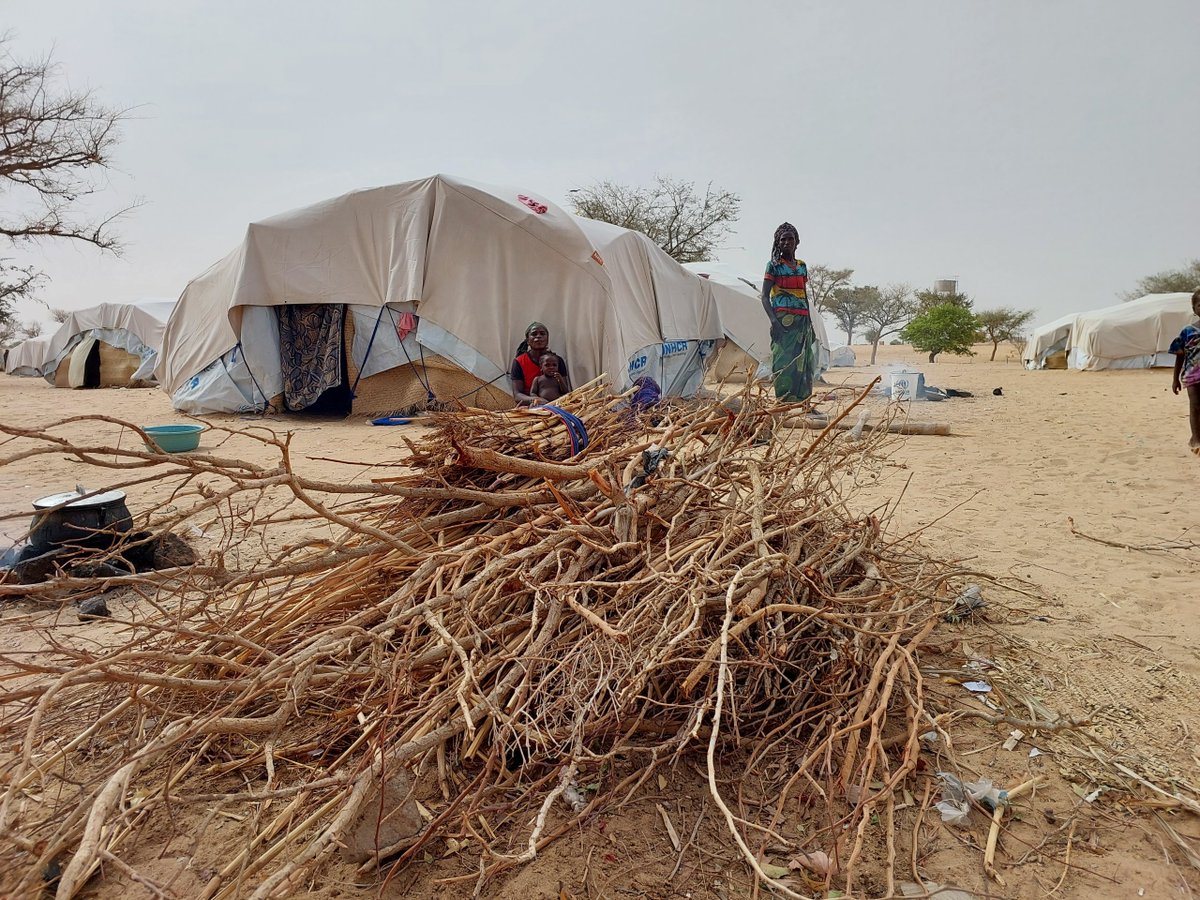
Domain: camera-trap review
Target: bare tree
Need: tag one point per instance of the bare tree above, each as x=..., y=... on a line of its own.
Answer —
x=58, y=314
x=1004, y=324
x=887, y=312
x=13, y=332
x=55, y=143
x=823, y=281
x=687, y=225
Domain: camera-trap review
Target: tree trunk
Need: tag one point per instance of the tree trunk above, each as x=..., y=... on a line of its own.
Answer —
x=932, y=354
x=995, y=347
x=874, y=350
x=849, y=336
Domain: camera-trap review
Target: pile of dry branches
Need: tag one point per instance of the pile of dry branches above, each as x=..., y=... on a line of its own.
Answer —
x=504, y=624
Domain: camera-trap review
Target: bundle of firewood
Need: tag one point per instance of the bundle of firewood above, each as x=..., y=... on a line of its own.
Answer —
x=500, y=624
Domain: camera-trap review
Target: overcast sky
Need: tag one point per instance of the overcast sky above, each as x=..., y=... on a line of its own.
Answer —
x=1044, y=152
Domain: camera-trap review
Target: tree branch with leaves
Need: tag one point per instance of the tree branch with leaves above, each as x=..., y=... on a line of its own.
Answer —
x=1169, y=281
x=823, y=281
x=848, y=307
x=887, y=312
x=687, y=225
x=1004, y=324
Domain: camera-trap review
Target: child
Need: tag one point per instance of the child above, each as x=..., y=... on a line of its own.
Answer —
x=550, y=385
x=1186, y=348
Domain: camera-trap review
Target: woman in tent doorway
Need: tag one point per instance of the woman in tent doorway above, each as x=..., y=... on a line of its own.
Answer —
x=785, y=299
x=528, y=364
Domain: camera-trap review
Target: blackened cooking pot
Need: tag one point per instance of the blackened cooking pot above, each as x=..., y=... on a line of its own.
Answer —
x=74, y=518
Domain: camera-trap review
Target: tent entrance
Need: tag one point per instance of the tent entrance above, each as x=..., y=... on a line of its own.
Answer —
x=83, y=365
x=312, y=355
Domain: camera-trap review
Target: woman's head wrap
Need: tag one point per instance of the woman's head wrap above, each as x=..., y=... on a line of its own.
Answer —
x=785, y=228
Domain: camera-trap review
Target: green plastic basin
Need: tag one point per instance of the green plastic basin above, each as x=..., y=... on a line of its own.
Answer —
x=174, y=438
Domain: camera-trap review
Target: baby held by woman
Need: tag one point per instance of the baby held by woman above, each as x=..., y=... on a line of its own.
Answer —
x=550, y=385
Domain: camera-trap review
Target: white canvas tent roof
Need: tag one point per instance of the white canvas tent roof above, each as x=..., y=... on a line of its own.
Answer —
x=667, y=315
x=1134, y=335
x=27, y=357
x=742, y=318
x=1047, y=339
x=136, y=327
x=476, y=263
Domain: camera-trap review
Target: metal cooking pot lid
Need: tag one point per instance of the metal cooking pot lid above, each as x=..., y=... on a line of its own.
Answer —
x=66, y=497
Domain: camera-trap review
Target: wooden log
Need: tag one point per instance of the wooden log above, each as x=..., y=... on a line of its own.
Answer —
x=939, y=428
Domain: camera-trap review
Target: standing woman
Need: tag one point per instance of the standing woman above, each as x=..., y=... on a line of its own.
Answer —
x=785, y=299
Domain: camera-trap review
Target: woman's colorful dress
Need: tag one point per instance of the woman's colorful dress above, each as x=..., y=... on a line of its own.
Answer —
x=793, y=344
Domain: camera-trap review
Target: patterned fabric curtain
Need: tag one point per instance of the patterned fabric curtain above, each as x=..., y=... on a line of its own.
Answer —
x=310, y=348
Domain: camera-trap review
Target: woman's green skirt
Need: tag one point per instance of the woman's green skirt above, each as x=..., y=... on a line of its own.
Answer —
x=794, y=361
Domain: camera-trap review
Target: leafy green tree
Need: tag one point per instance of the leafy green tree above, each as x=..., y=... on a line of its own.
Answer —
x=1170, y=281
x=687, y=225
x=948, y=328
x=886, y=312
x=823, y=281
x=927, y=300
x=1004, y=324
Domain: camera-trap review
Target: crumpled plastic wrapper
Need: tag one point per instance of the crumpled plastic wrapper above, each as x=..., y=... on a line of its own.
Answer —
x=957, y=795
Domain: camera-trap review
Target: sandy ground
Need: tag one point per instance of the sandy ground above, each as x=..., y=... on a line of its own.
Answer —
x=1102, y=630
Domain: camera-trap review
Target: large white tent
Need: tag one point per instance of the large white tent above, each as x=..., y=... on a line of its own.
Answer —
x=744, y=323
x=27, y=357
x=1048, y=340
x=1134, y=335
x=437, y=280
x=122, y=338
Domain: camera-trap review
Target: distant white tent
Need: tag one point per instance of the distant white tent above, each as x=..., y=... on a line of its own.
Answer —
x=1134, y=335
x=28, y=357
x=1047, y=345
x=108, y=345
x=842, y=357
x=745, y=324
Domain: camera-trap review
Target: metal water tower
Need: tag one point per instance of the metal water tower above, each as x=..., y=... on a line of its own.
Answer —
x=946, y=286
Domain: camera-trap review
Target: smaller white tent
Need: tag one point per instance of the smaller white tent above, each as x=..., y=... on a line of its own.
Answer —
x=1048, y=340
x=123, y=338
x=27, y=357
x=745, y=324
x=1134, y=335
x=667, y=314
x=842, y=357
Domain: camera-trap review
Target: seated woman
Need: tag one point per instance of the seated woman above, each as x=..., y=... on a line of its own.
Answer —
x=528, y=364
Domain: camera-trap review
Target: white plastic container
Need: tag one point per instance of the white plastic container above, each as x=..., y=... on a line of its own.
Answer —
x=907, y=385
